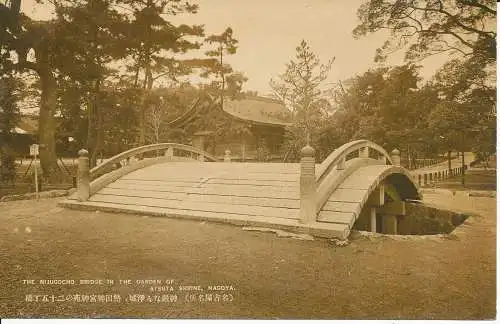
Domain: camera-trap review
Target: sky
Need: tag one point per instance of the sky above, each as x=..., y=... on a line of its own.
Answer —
x=268, y=32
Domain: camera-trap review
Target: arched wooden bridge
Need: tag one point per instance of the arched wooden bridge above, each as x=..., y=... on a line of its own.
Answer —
x=359, y=185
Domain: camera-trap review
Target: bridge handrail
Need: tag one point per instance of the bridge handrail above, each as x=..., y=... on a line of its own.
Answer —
x=339, y=154
x=109, y=164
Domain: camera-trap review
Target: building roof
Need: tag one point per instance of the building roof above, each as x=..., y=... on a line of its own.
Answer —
x=258, y=110
x=27, y=125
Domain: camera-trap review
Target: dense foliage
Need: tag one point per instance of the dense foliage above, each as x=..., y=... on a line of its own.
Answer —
x=107, y=75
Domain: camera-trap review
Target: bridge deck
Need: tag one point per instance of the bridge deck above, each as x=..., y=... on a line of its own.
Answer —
x=254, y=194
x=257, y=194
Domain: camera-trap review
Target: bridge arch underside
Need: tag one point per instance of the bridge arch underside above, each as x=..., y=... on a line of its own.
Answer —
x=370, y=199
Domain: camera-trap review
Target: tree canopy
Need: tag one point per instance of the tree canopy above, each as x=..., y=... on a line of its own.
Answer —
x=427, y=28
x=301, y=89
x=465, y=85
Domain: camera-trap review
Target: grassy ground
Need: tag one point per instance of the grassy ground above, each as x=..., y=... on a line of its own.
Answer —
x=449, y=277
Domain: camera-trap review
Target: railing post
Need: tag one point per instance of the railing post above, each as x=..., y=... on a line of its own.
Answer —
x=396, y=157
x=307, y=185
x=227, y=156
x=169, y=152
x=341, y=164
x=83, y=184
x=364, y=152
x=382, y=158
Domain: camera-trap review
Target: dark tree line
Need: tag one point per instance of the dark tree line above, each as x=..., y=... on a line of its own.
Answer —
x=455, y=110
x=98, y=65
x=108, y=74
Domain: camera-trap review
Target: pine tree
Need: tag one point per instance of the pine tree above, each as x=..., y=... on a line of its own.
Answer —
x=152, y=43
x=299, y=89
x=225, y=45
x=9, y=117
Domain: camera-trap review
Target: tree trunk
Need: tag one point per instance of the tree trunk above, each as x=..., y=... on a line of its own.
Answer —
x=46, y=122
x=146, y=86
x=96, y=145
x=147, y=81
x=223, y=83
x=90, y=127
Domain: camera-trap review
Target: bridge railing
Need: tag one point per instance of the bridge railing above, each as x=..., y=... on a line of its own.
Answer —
x=431, y=176
x=133, y=159
x=317, y=185
x=412, y=164
x=158, y=150
x=359, y=148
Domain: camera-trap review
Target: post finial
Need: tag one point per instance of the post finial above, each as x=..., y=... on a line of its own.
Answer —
x=83, y=153
x=307, y=151
x=227, y=156
x=395, y=157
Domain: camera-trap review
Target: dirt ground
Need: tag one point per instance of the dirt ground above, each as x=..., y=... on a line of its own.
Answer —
x=436, y=277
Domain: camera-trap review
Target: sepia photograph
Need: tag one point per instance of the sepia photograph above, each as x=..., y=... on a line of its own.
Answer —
x=263, y=159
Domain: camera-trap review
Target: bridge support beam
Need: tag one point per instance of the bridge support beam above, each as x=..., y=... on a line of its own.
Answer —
x=390, y=213
x=390, y=225
x=376, y=200
x=373, y=219
x=307, y=185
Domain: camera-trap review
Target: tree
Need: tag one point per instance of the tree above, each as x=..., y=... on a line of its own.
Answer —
x=387, y=106
x=427, y=28
x=227, y=83
x=25, y=35
x=466, y=84
x=150, y=39
x=9, y=116
x=299, y=89
x=225, y=44
x=55, y=52
x=155, y=118
x=92, y=37
x=465, y=117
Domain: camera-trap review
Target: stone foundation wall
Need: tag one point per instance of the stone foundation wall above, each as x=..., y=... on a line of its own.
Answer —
x=424, y=220
x=419, y=220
